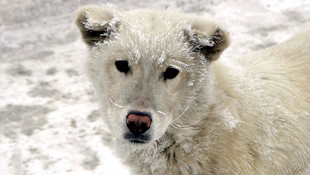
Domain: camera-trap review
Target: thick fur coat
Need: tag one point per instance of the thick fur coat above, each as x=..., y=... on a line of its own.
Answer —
x=249, y=115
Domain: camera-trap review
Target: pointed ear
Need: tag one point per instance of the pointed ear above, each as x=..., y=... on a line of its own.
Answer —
x=207, y=38
x=96, y=23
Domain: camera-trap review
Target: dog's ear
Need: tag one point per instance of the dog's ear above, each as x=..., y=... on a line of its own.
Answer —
x=96, y=23
x=207, y=38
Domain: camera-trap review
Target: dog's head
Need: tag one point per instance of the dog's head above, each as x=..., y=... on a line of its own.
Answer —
x=149, y=68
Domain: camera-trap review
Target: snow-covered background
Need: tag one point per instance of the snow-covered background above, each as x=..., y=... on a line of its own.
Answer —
x=49, y=122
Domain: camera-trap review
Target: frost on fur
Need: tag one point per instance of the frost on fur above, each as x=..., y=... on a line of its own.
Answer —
x=96, y=23
x=180, y=112
x=209, y=45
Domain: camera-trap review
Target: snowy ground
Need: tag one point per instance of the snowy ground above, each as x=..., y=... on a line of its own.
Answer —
x=49, y=122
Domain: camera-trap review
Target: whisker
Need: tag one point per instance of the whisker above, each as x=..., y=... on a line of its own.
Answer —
x=162, y=113
x=117, y=105
x=181, y=127
x=181, y=114
x=195, y=122
x=188, y=126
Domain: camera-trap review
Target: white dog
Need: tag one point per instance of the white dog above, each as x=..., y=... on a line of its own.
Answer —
x=172, y=108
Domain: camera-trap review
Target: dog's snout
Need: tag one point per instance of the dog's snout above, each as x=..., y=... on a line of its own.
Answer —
x=138, y=123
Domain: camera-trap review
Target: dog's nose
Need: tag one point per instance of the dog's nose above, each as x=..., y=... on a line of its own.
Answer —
x=138, y=122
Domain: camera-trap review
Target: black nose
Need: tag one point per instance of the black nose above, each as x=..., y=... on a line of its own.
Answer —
x=138, y=122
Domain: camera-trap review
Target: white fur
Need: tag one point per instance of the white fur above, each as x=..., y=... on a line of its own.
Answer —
x=250, y=115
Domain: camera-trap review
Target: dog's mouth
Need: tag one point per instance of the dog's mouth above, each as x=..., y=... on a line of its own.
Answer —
x=145, y=138
x=138, y=127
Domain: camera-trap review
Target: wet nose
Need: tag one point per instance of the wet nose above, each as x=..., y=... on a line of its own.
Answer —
x=138, y=122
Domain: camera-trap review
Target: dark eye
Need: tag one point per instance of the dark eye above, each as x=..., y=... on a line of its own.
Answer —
x=170, y=73
x=122, y=66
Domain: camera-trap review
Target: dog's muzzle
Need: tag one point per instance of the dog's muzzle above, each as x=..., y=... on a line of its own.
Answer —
x=138, y=125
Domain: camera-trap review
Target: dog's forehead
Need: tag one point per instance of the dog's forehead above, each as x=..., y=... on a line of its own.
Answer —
x=154, y=40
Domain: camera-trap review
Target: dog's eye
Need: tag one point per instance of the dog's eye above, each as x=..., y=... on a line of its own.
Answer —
x=122, y=66
x=170, y=73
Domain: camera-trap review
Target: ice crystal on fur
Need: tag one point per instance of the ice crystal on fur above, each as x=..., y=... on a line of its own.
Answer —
x=161, y=59
x=244, y=116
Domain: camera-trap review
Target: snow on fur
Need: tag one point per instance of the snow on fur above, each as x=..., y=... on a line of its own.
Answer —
x=246, y=116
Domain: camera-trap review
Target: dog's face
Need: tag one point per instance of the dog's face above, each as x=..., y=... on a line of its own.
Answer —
x=147, y=67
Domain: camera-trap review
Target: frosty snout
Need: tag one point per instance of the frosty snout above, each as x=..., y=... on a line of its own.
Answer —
x=138, y=124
